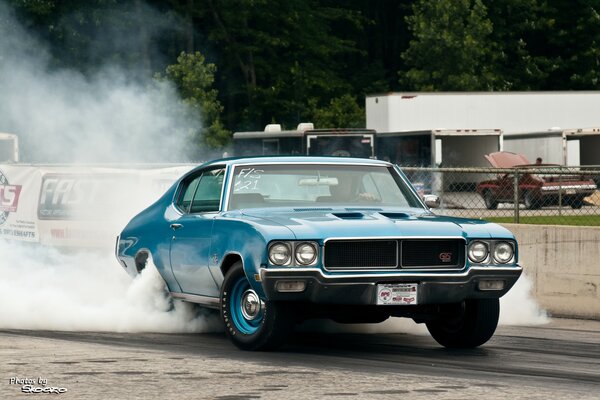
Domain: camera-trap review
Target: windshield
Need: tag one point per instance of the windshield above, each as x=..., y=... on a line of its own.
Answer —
x=318, y=185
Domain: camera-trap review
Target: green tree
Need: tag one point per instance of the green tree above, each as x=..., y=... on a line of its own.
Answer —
x=280, y=57
x=341, y=112
x=450, y=49
x=573, y=44
x=518, y=42
x=194, y=78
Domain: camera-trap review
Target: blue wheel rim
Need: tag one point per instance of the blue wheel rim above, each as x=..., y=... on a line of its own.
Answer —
x=243, y=324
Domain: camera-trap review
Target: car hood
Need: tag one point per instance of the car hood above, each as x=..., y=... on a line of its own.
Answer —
x=344, y=223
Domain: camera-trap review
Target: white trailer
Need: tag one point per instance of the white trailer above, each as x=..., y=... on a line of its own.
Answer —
x=513, y=112
x=9, y=148
x=571, y=147
x=440, y=148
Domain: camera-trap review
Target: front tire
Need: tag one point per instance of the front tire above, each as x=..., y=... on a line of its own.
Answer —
x=490, y=200
x=252, y=323
x=467, y=325
x=531, y=202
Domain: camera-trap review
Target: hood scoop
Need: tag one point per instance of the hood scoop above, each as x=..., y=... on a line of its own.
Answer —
x=395, y=215
x=349, y=215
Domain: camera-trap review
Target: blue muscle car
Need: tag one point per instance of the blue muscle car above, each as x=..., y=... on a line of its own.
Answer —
x=273, y=241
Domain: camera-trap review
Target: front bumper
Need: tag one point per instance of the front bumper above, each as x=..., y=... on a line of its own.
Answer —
x=361, y=289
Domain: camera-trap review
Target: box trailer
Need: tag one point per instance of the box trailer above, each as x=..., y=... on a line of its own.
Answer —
x=9, y=148
x=441, y=148
x=571, y=147
x=512, y=112
x=307, y=141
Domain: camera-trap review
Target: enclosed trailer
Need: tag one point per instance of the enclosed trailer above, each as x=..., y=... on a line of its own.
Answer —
x=9, y=148
x=441, y=148
x=571, y=147
x=307, y=141
x=513, y=112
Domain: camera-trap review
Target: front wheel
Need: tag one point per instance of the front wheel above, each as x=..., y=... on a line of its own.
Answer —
x=531, y=201
x=251, y=323
x=490, y=200
x=466, y=325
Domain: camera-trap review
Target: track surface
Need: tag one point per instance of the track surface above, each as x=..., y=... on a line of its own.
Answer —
x=558, y=360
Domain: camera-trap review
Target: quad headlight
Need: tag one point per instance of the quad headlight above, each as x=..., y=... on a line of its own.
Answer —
x=306, y=253
x=292, y=253
x=491, y=252
x=503, y=252
x=280, y=253
x=478, y=251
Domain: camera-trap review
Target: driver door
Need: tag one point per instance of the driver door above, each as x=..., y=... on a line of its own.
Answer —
x=199, y=203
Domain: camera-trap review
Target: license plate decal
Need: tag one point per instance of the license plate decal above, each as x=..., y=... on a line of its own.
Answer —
x=397, y=294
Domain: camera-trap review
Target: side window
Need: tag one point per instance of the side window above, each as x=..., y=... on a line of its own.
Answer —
x=186, y=196
x=208, y=193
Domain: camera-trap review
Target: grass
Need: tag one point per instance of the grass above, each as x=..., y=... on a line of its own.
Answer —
x=576, y=220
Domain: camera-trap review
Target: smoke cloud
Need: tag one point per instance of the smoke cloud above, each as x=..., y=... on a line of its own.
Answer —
x=48, y=290
x=64, y=116
x=61, y=115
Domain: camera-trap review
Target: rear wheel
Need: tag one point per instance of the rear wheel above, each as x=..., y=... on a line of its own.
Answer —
x=577, y=203
x=468, y=324
x=252, y=323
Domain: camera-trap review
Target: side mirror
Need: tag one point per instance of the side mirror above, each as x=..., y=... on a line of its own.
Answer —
x=431, y=200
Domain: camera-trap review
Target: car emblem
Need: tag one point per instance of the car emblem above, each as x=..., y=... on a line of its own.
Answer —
x=446, y=257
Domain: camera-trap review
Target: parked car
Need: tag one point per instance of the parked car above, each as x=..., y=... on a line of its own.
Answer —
x=273, y=241
x=535, y=191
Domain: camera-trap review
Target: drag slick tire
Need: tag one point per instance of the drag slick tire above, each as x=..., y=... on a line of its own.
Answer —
x=252, y=323
x=466, y=325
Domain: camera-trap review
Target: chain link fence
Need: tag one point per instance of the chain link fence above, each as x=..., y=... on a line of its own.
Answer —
x=552, y=195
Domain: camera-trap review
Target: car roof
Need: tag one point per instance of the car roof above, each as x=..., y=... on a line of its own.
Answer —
x=293, y=160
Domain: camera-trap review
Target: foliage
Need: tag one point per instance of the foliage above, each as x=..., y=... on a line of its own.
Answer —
x=314, y=60
x=342, y=111
x=194, y=79
x=451, y=48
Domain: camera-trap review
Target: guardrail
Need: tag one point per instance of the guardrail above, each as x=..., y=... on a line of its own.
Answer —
x=552, y=195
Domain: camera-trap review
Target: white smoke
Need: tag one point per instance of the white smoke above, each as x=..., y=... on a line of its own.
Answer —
x=61, y=115
x=64, y=116
x=48, y=290
x=518, y=307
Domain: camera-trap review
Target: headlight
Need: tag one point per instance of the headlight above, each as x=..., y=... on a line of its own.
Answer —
x=280, y=253
x=478, y=252
x=306, y=253
x=503, y=252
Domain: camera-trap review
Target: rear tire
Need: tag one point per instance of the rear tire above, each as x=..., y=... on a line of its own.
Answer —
x=471, y=324
x=252, y=323
x=577, y=203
